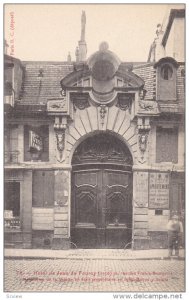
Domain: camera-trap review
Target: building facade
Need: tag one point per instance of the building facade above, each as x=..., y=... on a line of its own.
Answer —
x=94, y=149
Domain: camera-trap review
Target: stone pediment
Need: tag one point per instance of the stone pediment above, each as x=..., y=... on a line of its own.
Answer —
x=122, y=78
x=103, y=76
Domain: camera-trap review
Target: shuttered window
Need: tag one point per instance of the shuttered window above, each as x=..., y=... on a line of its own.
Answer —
x=43, y=189
x=167, y=145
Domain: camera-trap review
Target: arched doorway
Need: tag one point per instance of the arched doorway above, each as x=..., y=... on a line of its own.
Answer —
x=101, y=205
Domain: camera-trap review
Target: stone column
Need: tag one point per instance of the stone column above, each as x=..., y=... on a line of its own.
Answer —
x=61, y=209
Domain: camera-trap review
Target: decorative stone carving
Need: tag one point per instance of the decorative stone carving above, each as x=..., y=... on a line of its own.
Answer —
x=60, y=129
x=143, y=139
x=102, y=113
x=150, y=107
x=57, y=105
x=142, y=143
x=81, y=104
x=60, y=137
x=143, y=124
x=124, y=102
x=80, y=100
x=143, y=128
x=102, y=148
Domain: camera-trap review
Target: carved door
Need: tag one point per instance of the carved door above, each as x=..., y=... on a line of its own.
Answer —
x=101, y=208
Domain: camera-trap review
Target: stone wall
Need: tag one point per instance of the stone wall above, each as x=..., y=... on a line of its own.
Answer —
x=61, y=209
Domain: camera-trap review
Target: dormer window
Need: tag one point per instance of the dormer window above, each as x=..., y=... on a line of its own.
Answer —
x=166, y=72
x=8, y=80
x=182, y=73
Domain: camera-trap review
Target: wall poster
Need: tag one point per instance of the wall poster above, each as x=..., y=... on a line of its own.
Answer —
x=159, y=190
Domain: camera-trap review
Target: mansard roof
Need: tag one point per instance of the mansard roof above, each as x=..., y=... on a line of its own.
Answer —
x=38, y=87
x=37, y=90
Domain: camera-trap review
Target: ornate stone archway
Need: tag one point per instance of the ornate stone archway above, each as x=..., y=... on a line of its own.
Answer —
x=101, y=200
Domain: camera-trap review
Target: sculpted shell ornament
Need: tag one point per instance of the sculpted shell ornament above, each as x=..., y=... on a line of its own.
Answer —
x=57, y=105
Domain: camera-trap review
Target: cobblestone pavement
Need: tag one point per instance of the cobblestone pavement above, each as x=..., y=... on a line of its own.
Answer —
x=92, y=275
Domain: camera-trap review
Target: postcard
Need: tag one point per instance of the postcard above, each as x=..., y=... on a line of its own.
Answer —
x=94, y=156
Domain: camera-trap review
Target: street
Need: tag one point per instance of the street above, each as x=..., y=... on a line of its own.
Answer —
x=93, y=275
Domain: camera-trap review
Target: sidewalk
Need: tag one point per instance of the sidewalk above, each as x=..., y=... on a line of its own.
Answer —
x=90, y=254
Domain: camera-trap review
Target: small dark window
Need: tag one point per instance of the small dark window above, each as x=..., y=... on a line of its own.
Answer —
x=166, y=72
x=158, y=212
x=182, y=73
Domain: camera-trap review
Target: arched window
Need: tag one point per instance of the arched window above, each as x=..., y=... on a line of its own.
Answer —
x=166, y=72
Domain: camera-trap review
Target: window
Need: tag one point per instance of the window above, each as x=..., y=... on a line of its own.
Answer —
x=166, y=72
x=86, y=82
x=167, y=145
x=11, y=144
x=12, y=205
x=119, y=82
x=43, y=189
x=182, y=73
x=36, y=143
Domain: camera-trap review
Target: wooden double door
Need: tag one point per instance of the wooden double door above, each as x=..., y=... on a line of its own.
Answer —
x=101, y=211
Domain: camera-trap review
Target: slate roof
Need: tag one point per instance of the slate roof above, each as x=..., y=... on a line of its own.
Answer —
x=38, y=89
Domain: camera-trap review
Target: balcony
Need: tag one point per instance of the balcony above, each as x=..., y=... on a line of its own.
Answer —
x=11, y=157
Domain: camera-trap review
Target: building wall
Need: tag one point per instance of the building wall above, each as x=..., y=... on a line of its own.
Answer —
x=175, y=46
x=49, y=227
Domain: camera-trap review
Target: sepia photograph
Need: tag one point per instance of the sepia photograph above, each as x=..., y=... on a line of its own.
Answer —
x=94, y=149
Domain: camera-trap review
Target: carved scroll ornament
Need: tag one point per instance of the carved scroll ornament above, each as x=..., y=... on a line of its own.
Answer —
x=60, y=139
x=143, y=138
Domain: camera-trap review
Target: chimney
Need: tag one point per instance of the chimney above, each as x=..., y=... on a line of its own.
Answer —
x=69, y=59
x=77, y=54
x=82, y=43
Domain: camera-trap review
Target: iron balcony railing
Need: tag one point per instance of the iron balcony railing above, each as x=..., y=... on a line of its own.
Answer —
x=11, y=157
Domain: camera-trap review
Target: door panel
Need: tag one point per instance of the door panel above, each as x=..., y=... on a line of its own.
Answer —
x=84, y=209
x=86, y=198
x=101, y=208
x=119, y=208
